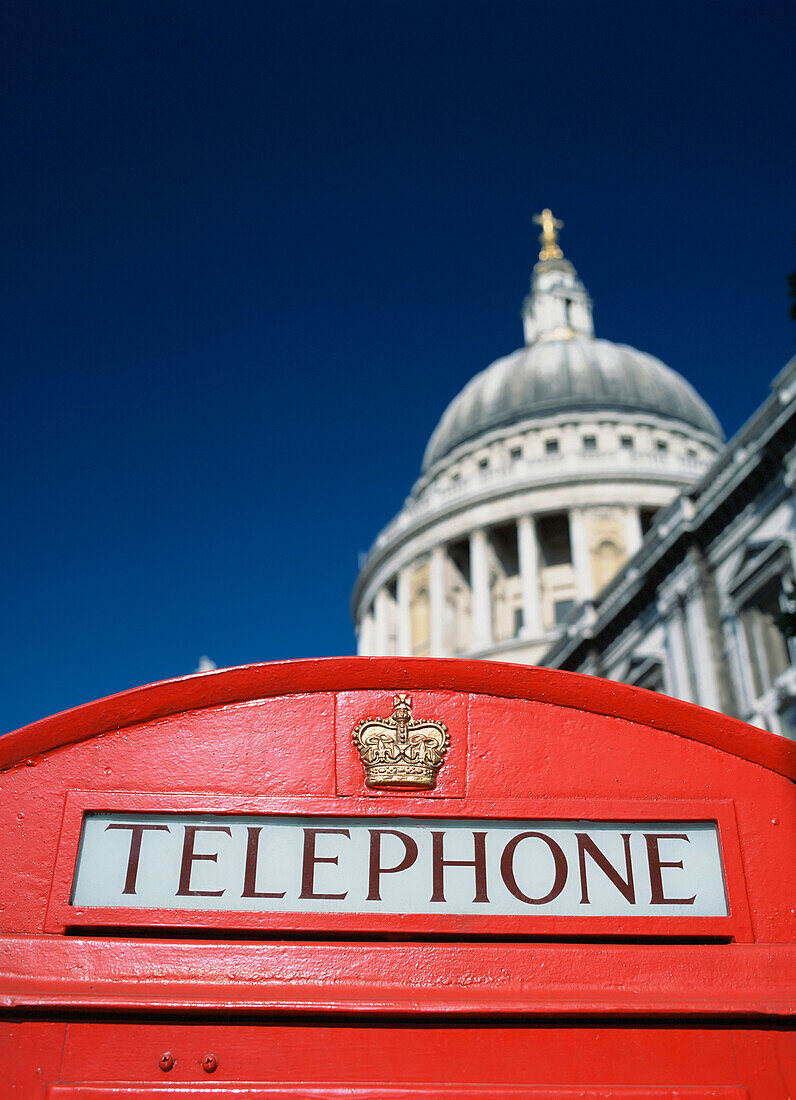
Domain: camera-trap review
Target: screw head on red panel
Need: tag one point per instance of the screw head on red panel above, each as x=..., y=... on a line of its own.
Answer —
x=210, y=1063
x=166, y=1061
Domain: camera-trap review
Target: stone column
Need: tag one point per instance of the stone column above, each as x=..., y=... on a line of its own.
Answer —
x=436, y=596
x=723, y=689
x=696, y=624
x=529, y=577
x=381, y=606
x=482, y=597
x=633, y=535
x=366, y=629
x=404, y=647
x=581, y=558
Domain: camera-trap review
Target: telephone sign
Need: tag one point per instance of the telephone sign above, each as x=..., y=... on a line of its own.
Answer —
x=399, y=865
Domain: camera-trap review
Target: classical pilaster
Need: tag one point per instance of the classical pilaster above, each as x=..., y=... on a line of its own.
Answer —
x=482, y=597
x=404, y=647
x=581, y=558
x=436, y=593
x=529, y=577
x=699, y=645
x=678, y=648
x=716, y=689
x=741, y=664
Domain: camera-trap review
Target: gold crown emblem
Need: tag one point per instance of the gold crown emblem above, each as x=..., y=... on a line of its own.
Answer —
x=400, y=751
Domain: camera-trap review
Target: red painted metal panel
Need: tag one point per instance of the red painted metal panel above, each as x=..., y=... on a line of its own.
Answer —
x=446, y=1006
x=30, y=1056
x=766, y=1062
x=400, y=1055
x=397, y=979
x=435, y=1092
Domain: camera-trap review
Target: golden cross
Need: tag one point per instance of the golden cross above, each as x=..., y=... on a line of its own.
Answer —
x=548, y=238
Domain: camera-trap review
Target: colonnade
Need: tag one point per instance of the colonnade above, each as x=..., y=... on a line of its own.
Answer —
x=386, y=626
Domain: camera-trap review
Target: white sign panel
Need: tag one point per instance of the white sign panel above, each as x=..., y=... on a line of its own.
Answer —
x=399, y=865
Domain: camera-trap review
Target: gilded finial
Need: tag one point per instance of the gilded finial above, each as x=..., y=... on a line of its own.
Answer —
x=548, y=238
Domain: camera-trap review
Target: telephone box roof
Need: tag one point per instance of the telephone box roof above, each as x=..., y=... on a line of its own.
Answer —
x=336, y=674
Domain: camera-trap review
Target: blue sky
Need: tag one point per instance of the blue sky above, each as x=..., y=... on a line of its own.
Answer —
x=251, y=250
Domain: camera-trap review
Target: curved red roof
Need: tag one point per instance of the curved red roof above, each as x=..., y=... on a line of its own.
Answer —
x=247, y=682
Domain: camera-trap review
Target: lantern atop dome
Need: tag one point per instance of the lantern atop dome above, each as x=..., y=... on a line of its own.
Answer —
x=558, y=306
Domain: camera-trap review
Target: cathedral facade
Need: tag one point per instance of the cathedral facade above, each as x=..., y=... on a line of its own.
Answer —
x=578, y=508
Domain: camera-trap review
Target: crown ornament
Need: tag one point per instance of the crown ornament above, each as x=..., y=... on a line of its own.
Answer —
x=401, y=751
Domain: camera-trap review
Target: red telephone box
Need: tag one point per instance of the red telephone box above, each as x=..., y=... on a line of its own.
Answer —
x=387, y=878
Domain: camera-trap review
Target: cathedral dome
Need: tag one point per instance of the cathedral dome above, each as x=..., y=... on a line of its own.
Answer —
x=539, y=482
x=574, y=373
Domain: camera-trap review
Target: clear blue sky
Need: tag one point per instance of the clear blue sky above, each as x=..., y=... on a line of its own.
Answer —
x=250, y=250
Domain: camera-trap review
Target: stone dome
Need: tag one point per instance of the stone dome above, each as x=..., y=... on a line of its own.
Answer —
x=577, y=373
